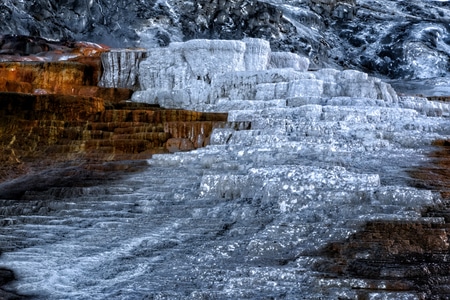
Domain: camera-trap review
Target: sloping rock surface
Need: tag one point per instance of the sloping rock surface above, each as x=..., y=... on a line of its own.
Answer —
x=308, y=196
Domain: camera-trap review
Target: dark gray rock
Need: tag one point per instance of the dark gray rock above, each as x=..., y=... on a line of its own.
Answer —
x=120, y=68
x=397, y=39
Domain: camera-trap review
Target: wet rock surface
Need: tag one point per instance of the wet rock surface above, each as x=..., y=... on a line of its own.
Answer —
x=53, y=110
x=393, y=258
x=40, y=129
x=317, y=186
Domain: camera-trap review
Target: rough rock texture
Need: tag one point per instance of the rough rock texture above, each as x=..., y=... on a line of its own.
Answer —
x=397, y=256
x=436, y=175
x=53, y=112
x=342, y=9
x=203, y=74
x=58, y=77
x=399, y=39
x=32, y=48
x=39, y=66
x=307, y=193
x=51, y=76
x=45, y=128
x=120, y=68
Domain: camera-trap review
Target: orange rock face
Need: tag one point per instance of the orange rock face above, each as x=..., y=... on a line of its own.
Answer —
x=51, y=76
x=52, y=111
x=66, y=127
x=35, y=65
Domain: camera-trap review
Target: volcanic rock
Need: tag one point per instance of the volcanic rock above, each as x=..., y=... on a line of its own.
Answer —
x=399, y=39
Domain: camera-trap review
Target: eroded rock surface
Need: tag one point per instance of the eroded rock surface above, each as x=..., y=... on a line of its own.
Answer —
x=53, y=111
x=120, y=68
x=398, y=39
x=62, y=128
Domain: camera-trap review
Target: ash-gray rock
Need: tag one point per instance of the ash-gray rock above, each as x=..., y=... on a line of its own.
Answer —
x=397, y=39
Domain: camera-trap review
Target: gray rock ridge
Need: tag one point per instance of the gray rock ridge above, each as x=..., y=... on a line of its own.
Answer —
x=397, y=39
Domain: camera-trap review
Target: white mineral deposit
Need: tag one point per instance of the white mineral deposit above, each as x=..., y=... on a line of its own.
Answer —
x=244, y=217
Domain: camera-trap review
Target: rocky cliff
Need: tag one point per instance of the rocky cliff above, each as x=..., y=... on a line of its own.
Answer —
x=398, y=39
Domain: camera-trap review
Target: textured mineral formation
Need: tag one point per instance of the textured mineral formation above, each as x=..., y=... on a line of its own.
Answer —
x=209, y=75
x=120, y=68
x=318, y=186
x=64, y=127
x=53, y=110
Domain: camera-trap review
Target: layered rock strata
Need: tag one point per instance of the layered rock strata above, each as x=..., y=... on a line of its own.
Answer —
x=210, y=75
x=66, y=127
x=54, y=111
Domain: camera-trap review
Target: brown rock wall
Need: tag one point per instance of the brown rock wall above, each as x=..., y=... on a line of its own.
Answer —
x=49, y=107
x=390, y=256
x=48, y=75
x=436, y=175
x=40, y=130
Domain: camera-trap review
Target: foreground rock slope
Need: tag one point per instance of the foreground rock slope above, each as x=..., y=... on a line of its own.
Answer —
x=308, y=196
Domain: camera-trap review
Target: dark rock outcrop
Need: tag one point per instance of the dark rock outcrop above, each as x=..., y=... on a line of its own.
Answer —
x=399, y=39
x=394, y=257
x=7, y=276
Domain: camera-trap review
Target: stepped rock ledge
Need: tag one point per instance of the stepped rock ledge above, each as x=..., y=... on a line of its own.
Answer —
x=299, y=184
